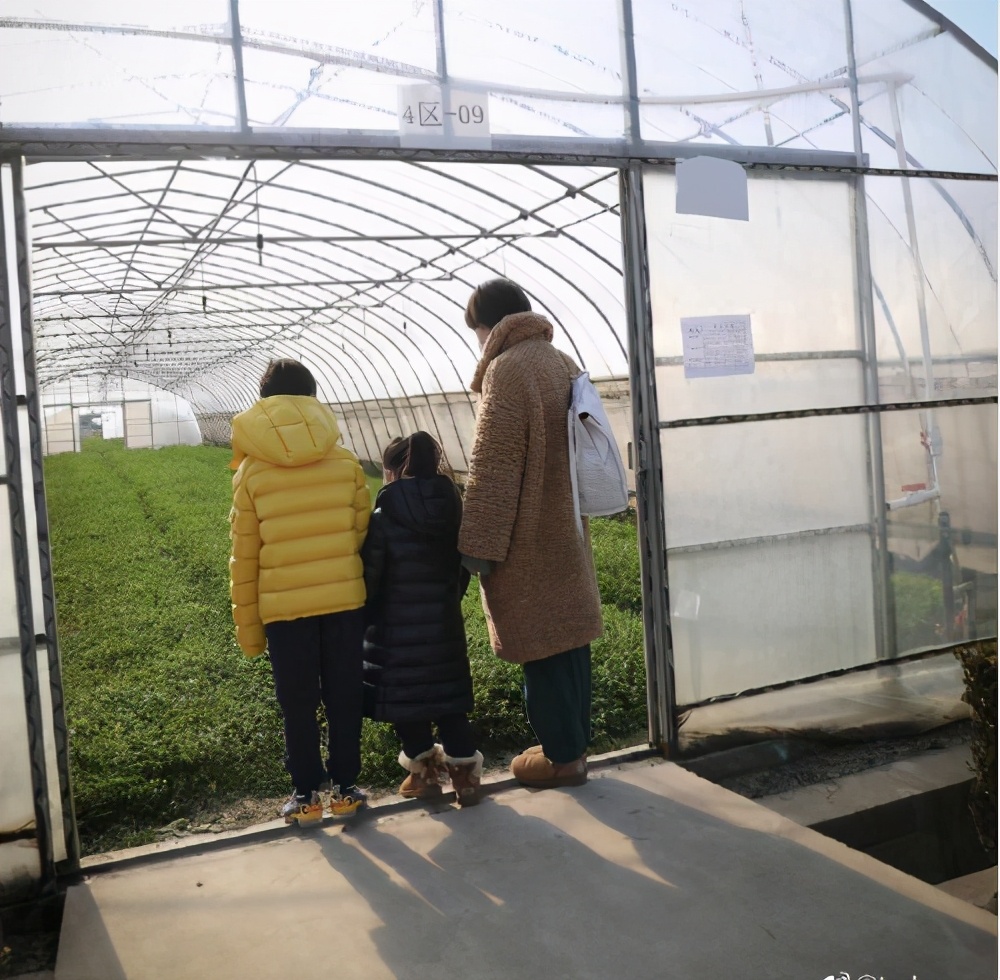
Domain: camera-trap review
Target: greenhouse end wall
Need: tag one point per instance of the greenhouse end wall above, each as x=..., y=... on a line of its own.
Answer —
x=204, y=199
x=813, y=532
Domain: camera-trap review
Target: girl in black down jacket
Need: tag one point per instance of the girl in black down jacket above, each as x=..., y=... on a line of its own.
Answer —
x=415, y=649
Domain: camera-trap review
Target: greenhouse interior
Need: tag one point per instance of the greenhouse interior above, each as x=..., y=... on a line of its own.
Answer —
x=767, y=229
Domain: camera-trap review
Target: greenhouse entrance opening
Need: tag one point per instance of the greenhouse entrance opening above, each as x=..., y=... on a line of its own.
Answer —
x=141, y=415
x=67, y=427
x=178, y=281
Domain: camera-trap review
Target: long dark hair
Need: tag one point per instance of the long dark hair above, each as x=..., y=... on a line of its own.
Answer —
x=417, y=455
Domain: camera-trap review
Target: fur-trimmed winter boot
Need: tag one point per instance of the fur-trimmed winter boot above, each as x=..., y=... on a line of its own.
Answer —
x=466, y=777
x=426, y=773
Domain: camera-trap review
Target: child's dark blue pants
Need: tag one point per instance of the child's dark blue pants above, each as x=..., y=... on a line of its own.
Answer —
x=317, y=660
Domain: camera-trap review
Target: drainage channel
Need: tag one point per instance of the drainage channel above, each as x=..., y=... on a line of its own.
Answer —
x=902, y=801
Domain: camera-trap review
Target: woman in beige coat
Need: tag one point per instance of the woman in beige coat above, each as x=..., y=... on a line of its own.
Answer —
x=519, y=531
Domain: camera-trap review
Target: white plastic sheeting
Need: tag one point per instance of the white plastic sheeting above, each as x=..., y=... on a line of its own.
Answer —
x=191, y=275
x=722, y=72
x=771, y=551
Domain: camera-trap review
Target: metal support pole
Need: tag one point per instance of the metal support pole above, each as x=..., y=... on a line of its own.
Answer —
x=929, y=425
x=236, y=36
x=947, y=575
x=59, y=726
x=883, y=601
x=74, y=415
x=660, y=696
x=9, y=409
x=441, y=49
x=633, y=130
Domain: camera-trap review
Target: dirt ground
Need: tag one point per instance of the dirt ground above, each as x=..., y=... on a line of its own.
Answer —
x=822, y=763
x=248, y=812
x=818, y=764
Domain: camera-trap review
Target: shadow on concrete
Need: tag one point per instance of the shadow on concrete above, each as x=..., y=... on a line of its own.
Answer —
x=86, y=950
x=577, y=883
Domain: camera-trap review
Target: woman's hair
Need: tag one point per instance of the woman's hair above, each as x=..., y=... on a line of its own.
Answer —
x=287, y=377
x=418, y=455
x=492, y=301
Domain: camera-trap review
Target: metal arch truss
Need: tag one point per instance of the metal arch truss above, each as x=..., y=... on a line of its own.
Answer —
x=125, y=303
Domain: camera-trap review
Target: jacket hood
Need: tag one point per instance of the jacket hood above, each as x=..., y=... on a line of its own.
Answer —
x=509, y=331
x=286, y=430
x=429, y=507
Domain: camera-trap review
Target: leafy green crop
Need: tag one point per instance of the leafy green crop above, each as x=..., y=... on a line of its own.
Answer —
x=166, y=715
x=919, y=605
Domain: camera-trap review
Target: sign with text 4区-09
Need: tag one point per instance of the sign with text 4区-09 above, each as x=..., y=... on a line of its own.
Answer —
x=433, y=110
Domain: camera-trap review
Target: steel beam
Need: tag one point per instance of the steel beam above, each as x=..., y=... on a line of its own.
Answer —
x=10, y=412
x=660, y=691
x=884, y=606
x=60, y=729
x=168, y=143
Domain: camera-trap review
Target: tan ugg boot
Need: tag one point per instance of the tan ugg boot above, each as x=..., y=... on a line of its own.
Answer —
x=466, y=777
x=427, y=771
x=533, y=768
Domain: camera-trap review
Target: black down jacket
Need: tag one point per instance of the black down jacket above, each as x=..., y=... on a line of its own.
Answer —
x=415, y=650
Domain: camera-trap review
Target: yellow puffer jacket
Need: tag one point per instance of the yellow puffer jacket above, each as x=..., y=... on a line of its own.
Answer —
x=299, y=517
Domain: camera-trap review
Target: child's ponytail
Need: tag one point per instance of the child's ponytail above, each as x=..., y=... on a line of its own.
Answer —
x=423, y=456
x=418, y=455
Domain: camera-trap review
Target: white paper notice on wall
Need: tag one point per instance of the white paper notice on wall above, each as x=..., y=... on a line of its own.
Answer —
x=717, y=346
x=714, y=187
x=432, y=114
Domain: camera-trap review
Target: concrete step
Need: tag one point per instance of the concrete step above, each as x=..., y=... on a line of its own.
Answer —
x=979, y=889
x=912, y=814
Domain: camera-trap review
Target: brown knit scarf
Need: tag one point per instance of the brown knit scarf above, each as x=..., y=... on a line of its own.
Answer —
x=509, y=331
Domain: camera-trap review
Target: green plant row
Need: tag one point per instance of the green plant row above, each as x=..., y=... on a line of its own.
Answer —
x=165, y=714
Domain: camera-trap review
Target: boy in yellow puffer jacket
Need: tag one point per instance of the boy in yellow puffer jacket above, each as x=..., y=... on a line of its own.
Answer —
x=299, y=517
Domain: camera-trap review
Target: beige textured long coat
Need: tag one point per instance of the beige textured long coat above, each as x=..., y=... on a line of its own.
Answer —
x=541, y=599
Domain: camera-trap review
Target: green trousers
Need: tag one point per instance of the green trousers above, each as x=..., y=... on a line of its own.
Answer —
x=557, y=697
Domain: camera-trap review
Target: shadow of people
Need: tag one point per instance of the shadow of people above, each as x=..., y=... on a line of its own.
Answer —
x=615, y=877
x=494, y=892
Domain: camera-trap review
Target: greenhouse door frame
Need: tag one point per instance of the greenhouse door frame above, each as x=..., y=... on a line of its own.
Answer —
x=662, y=706
x=21, y=472
x=19, y=401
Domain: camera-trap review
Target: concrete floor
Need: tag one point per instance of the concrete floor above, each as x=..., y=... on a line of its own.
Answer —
x=647, y=871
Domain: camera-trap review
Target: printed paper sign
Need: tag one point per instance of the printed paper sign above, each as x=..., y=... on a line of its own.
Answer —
x=717, y=346
x=430, y=110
